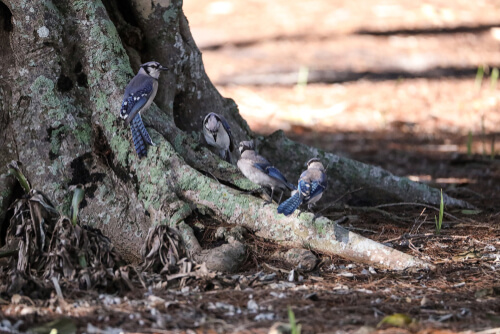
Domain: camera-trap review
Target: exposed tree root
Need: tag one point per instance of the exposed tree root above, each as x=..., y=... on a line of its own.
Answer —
x=320, y=235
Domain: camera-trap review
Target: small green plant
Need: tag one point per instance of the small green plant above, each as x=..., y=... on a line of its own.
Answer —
x=293, y=324
x=302, y=78
x=494, y=78
x=396, y=320
x=479, y=77
x=439, y=222
x=469, y=144
x=15, y=170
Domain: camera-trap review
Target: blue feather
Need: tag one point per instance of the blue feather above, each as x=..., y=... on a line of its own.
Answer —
x=262, y=167
x=290, y=205
x=137, y=136
x=274, y=173
x=144, y=132
x=316, y=189
x=310, y=190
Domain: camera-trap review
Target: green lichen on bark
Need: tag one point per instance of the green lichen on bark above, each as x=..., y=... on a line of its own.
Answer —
x=121, y=148
x=43, y=89
x=55, y=138
x=83, y=133
x=170, y=14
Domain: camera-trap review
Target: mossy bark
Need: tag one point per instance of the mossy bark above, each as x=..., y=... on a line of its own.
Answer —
x=66, y=70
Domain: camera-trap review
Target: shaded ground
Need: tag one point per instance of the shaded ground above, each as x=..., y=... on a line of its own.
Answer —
x=394, y=85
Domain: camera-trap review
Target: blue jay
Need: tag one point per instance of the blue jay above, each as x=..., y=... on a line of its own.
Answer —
x=312, y=183
x=260, y=171
x=218, y=134
x=139, y=95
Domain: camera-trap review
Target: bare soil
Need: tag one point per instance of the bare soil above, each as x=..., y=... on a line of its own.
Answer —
x=390, y=83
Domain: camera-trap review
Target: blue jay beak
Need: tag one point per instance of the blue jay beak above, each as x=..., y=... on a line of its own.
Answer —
x=163, y=68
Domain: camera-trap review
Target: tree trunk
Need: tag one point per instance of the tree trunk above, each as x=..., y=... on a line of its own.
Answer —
x=64, y=66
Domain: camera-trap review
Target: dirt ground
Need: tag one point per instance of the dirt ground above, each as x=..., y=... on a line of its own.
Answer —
x=390, y=83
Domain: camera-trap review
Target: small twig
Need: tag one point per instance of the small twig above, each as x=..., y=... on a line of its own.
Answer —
x=418, y=204
x=216, y=179
x=278, y=270
x=208, y=172
x=338, y=199
x=428, y=235
x=341, y=220
x=412, y=246
x=352, y=228
x=413, y=230
x=382, y=232
x=382, y=212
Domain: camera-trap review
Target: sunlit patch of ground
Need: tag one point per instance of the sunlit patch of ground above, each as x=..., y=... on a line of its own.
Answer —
x=420, y=106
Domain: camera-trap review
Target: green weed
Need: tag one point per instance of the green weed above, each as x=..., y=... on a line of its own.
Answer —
x=293, y=324
x=439, y=222
x=494, y=78
x=479, y=77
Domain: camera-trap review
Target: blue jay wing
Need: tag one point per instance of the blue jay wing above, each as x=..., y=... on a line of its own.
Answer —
x=304, y=188
x=134, y=100
x=262, y=166
x=291, y=204
x=274, y=173
x=316, y=189
x=310, y=189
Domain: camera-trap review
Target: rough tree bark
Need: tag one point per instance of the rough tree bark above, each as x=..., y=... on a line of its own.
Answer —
x=63, y=69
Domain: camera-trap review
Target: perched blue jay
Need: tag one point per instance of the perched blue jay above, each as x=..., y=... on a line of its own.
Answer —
x=139, y=95
x=260, y=171
x=218, y=134
x=312, y=183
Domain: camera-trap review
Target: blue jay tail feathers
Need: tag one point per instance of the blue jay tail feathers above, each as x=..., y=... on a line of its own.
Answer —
x=290, y=205
x=140, y=136
x=144, y=132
